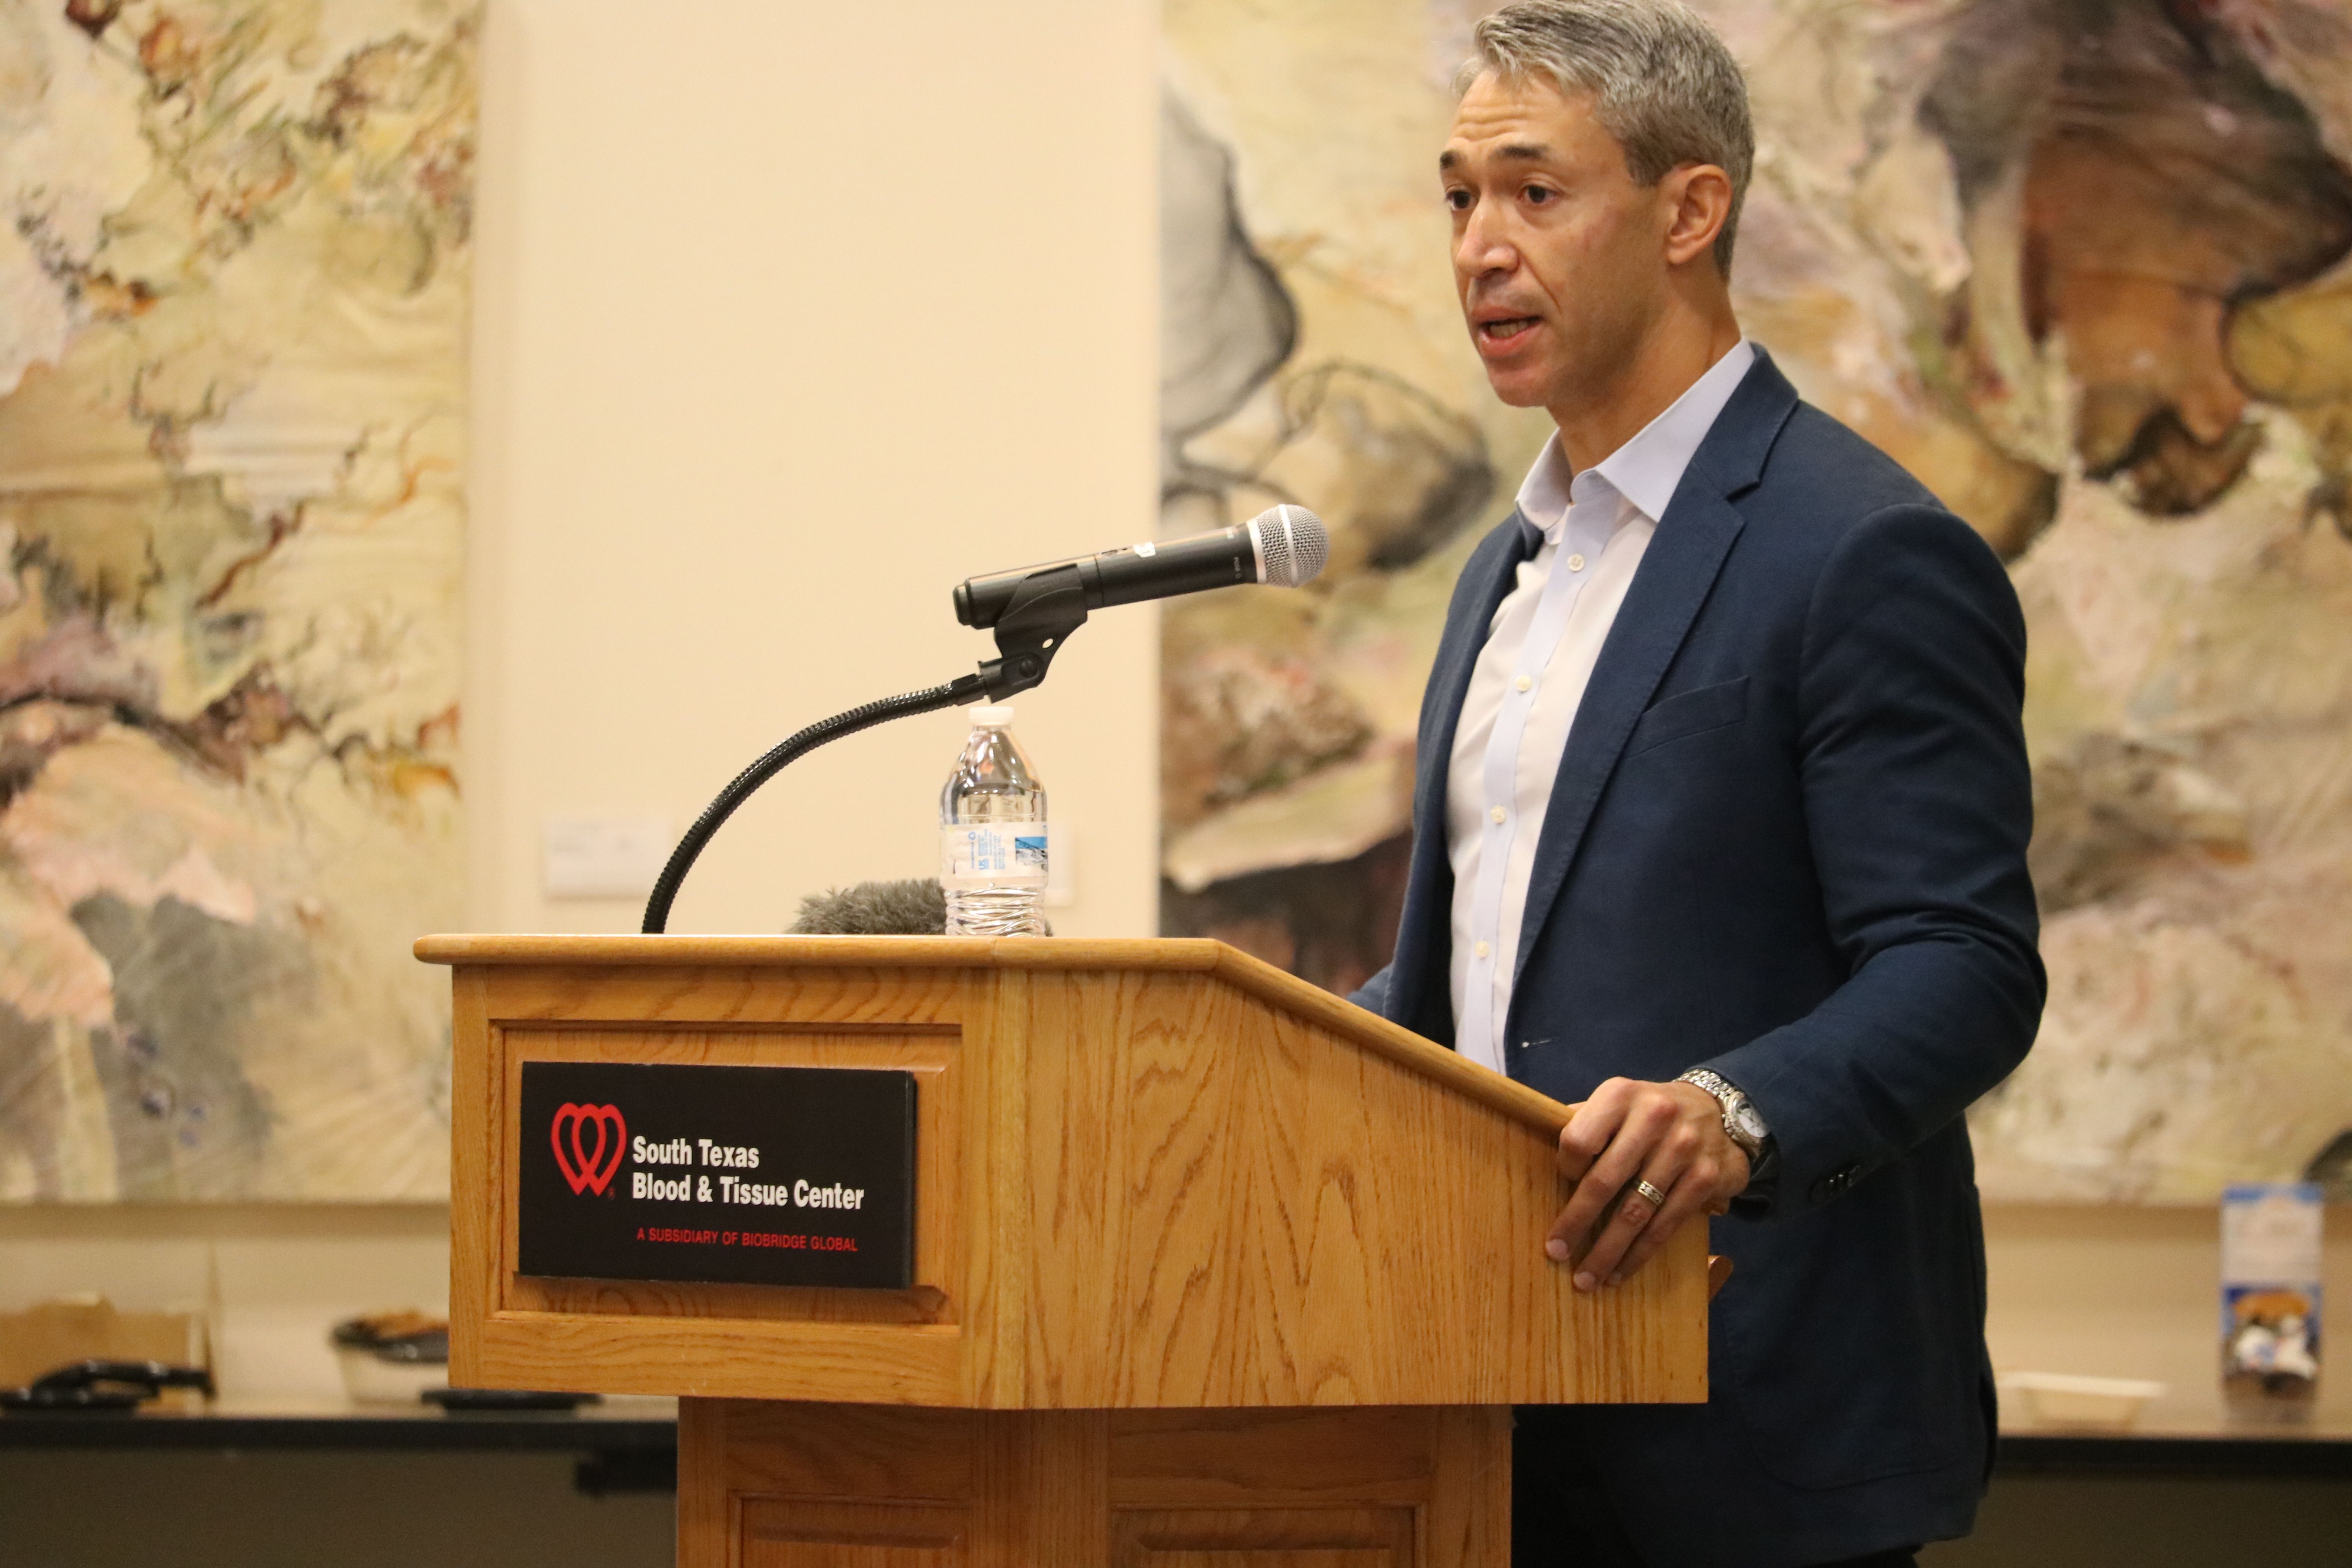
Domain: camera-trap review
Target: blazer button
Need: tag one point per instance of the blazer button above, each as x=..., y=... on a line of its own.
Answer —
x=1836, y=1181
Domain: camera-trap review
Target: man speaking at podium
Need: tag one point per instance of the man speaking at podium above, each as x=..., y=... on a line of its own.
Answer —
x=1719, y=829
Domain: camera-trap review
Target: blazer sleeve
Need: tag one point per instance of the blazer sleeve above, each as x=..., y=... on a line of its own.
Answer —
x=1918, y=801
x=1372, y=996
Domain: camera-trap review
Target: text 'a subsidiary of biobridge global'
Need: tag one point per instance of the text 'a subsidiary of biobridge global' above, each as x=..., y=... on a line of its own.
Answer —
x=799, y=1243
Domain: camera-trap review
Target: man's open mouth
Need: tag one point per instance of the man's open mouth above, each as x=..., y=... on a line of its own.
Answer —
x=1509, y=327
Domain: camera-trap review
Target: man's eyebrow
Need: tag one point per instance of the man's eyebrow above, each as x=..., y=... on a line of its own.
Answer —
x=1519, y=152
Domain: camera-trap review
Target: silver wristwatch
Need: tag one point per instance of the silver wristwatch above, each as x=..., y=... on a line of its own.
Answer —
x=1742, y=1122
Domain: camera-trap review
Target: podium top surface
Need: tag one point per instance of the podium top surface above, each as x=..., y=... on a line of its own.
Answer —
x=1184, y=954
x=864, y=952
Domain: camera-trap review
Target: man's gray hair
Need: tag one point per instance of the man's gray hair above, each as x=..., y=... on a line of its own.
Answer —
x=1661, y=81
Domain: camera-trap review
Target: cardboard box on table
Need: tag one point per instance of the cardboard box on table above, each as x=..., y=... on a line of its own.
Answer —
x=49, y=1335
x=1210, y=1265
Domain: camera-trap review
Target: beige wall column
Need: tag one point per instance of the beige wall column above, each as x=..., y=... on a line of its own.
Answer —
x=789, y=318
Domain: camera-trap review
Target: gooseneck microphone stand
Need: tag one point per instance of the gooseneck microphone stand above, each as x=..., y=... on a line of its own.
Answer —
x=1049, y=605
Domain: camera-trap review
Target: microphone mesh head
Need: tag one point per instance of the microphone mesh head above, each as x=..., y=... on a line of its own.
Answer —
x=1293, y=544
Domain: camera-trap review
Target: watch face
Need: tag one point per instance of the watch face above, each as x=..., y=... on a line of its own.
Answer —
x=1750, y=1122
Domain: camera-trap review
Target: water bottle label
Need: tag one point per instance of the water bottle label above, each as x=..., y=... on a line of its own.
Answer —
x=993, y=855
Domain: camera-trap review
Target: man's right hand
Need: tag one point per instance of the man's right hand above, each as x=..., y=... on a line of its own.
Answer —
x=1668, y=1135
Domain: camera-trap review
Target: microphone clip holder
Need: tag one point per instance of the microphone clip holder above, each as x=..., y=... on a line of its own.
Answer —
x=1046, y=609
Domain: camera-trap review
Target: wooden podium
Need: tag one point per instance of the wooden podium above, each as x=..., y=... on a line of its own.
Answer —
x=1210, y=1268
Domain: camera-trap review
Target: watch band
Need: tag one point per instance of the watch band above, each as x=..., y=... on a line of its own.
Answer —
x=1731, y=1100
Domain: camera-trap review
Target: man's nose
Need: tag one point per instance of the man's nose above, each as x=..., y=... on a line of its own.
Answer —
x=1484, y=247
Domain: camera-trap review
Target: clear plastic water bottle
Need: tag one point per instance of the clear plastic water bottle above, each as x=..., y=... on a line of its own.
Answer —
x=992, y=834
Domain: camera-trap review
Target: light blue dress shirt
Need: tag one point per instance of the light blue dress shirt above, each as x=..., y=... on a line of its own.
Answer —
x=1530, y=677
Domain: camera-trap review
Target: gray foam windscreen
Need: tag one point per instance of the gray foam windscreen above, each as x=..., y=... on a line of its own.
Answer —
x=914, y=908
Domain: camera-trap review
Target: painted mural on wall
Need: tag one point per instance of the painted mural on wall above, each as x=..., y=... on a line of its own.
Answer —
x=2082, y=265
x=233, y=305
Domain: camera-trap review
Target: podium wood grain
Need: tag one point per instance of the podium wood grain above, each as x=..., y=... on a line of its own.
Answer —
x=1210, y=1267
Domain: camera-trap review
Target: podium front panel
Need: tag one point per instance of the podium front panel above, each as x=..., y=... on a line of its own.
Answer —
x=825, y=1486
x=1149, y=1174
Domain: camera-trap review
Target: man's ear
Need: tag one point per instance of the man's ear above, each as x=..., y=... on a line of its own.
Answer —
x=1696, y=199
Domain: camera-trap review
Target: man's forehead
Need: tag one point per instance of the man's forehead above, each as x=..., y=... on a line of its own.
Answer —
x=1515, y=120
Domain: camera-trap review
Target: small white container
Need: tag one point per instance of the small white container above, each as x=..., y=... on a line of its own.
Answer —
x=2065, y=1399
x=391, y=1358
x=372, y=1379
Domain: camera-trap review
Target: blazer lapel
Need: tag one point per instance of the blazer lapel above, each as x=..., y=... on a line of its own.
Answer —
x=1485, y=583
x=1425, y=928
x=1676, y=574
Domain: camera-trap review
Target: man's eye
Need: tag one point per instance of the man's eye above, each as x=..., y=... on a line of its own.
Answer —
x=1539, y=194
x=1458, y=200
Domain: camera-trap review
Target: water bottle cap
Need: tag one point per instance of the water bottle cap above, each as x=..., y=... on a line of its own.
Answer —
x=993, y=716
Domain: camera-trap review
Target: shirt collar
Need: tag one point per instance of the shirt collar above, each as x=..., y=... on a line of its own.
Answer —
x=1646, y=471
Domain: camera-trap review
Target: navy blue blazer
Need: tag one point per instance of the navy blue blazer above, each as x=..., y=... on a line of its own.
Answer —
x=1787, y=841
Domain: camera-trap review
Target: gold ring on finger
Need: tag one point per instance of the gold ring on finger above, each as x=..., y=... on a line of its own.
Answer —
x=1657, y=1199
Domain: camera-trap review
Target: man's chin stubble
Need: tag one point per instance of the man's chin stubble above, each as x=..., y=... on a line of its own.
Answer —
x=1525, y=394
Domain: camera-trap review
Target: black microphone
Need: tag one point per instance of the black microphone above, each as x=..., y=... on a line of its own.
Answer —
x=1283, y=546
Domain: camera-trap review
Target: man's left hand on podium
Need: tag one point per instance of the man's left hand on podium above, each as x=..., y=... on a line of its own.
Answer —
x=1646, y=1158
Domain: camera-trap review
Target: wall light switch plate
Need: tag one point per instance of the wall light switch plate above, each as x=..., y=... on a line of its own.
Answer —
x=604, y=856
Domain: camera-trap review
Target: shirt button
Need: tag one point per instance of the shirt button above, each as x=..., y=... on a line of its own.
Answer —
x=1499, y=814
x=1480, y=949
x=1524, y=683
x=1575, y=562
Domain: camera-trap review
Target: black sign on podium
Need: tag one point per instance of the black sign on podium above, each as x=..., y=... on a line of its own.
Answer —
x=736, y=1174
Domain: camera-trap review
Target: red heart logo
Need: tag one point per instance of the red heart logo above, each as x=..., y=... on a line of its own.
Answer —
x=589, y=1170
